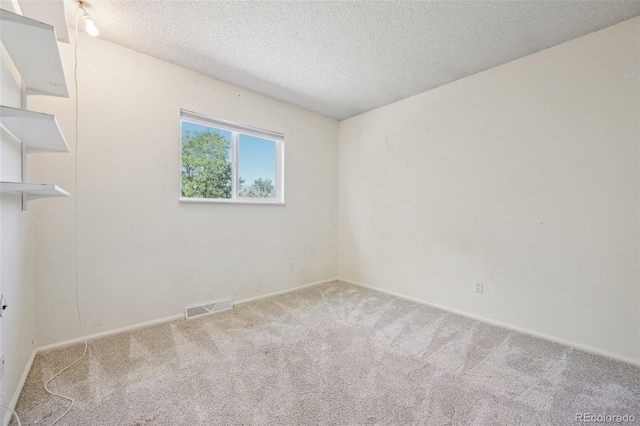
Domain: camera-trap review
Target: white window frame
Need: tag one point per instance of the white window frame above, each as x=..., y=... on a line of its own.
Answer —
x=235, y=130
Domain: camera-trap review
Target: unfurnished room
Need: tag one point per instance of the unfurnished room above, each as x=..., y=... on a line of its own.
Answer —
x=319, y=212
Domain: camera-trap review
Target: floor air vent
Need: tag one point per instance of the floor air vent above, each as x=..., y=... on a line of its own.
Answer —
x=198, y=311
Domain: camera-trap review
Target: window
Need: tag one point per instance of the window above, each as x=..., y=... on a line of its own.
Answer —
x=228, y=163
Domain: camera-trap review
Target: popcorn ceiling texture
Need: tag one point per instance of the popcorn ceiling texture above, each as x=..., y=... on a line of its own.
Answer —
x=329, y=354
x=340, y=59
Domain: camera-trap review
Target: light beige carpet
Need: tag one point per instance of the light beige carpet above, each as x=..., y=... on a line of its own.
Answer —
x=329, y=354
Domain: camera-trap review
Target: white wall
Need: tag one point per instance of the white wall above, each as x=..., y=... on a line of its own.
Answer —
x=17, y=256
x=143, y=255
x=525, y=176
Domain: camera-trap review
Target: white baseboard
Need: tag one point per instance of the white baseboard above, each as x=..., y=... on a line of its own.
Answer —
x=77, y=340
x=277, y=293
x=95, y=336
x=543, y=336
x=14, y=400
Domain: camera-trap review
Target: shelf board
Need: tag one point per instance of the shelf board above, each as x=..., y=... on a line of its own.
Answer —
x=37, y=131
x=34, y=191
x=34, y=51
x=50, y=11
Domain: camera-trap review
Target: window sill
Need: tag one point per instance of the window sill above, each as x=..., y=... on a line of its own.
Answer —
x=219, y=201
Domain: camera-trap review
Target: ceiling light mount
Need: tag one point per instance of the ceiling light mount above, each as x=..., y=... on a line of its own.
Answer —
x=90, y=26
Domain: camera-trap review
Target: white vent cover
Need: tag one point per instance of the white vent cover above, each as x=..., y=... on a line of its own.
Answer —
x=191, y=312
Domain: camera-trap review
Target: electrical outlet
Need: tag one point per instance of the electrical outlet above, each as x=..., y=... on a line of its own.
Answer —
x=1, y=365
x=291, y=266
x=477, y=286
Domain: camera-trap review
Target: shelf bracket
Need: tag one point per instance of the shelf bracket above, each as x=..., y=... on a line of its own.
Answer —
x=25, y=199
x=24, y=153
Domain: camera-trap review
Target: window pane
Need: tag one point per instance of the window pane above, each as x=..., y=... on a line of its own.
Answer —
x=257, y=167
x=206, y=161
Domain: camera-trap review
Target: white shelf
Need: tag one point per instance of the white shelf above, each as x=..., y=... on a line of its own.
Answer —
x=34, y=51
x=38, y=132
x=50, y=11
x=33, y=191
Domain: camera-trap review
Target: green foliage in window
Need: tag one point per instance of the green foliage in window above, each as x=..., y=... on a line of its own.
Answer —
x=206, y=170
x=260, y=188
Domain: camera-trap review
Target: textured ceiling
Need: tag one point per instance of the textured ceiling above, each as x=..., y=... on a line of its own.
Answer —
x=340, y=59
